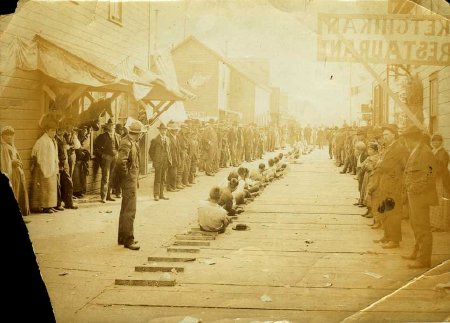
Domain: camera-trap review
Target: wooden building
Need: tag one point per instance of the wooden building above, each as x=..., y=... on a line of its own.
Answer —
x=220, y=86
x=80, y=51
x=425, y=88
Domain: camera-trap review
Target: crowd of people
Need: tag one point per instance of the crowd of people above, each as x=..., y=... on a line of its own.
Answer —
x=180, y=151
x=60, y=161
x=401, y=174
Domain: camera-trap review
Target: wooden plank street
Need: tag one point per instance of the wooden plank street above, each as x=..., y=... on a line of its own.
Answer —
x=308, y=256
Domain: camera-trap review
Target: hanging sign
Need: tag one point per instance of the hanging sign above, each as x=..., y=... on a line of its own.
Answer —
x=384, y=39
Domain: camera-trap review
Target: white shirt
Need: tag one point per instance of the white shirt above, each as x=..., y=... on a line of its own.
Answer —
x=211, y=216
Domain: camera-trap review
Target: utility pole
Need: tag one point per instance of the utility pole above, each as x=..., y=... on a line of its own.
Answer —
x=351, y=94
x=149, y=35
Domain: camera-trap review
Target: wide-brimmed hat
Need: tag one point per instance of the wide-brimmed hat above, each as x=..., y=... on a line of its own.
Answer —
x=136, y=127
x=162, y=126
x=391, y=127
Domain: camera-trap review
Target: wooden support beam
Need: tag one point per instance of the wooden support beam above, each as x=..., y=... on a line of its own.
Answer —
x=49, y=91
x=158, y=106
x=152, y=104
x=115, y=95
x=75, y=95
x=160, y=111
x=90, y=97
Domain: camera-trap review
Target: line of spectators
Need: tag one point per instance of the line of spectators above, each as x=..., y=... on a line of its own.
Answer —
x=401, y=175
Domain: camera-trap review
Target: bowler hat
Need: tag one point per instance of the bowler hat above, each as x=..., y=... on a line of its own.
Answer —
x=241, y=227
x=162, y=126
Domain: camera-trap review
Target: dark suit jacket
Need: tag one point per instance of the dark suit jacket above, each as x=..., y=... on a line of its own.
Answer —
x=159, y=152
x=127, y=168
x=391, y=167
x=363, y=157
x=420, y=176
x=103, y=145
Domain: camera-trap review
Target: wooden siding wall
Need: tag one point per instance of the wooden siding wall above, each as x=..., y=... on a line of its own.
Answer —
x=193, y=59
x=20, y=107
x=443, y=110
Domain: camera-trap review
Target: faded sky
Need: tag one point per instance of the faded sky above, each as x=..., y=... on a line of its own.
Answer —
x=318, y=91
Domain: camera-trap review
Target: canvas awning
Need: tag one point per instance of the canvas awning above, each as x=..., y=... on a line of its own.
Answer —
x=80, y=68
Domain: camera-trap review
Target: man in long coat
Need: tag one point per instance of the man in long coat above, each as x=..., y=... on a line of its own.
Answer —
x=420, y=176
x=390, y=170
x=128, y=172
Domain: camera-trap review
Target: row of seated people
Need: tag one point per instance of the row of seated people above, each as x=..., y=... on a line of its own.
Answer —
x=241, y=187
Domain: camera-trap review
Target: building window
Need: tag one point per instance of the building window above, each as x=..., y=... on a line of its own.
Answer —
x=433, y=125
x=115, y=11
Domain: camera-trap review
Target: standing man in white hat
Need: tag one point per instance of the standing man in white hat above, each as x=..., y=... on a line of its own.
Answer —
x=128, y=173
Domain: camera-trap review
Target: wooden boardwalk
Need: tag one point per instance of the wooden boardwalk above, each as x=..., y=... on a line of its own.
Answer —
x=309, y=257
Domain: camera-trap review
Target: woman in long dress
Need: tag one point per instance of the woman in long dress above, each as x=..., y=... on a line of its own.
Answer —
x=367, y=168
x=440, y=214
x=11, y=165
x=44, y=168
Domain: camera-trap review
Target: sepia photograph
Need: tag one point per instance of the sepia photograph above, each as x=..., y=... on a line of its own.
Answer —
x=225, y=161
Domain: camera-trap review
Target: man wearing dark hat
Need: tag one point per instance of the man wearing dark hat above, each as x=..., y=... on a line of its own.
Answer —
x=160, y=155
x=106, y=147
x=128, y=173
x=390, y=170
x=420, y=172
